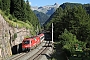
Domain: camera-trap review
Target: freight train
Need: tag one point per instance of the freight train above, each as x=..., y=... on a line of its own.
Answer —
x=32, y=42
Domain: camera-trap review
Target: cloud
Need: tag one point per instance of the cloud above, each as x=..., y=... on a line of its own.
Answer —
x=30, y=3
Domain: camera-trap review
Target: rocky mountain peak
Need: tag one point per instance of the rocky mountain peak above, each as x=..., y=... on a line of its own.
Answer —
x=46, y=9
x=56, y=4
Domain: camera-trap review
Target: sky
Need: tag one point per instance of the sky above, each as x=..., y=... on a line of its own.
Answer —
x=51, y=2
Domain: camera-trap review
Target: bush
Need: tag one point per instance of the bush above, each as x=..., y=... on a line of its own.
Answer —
x=10, y=17
x=68, y=40
x=7, y=13
x=14, y=36
x=27, y=37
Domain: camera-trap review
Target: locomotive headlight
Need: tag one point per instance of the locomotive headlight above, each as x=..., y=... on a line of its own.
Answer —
x=26, y=46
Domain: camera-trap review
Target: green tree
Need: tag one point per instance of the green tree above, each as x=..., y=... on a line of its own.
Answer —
x=23, y=10
x=74, y=19
x=16, y=8
x=0, y=4
x=69, y=41
x=6, y=5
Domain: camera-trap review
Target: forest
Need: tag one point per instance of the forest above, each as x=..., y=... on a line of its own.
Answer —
x=71, y=29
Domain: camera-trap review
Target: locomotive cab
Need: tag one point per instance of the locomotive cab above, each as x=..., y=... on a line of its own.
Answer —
x=26, y=44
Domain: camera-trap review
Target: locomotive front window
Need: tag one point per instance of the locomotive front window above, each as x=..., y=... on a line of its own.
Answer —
x=35, y=39
x=26, y=42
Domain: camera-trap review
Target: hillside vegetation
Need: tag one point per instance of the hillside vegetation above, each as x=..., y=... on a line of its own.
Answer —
x=75, y=19
x=18, y=13
x=72, y=29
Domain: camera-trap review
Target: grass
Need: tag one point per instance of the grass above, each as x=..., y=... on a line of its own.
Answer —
x=17, y=23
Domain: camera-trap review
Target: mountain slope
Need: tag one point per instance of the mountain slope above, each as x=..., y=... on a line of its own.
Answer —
x=41, y=16
x=44, y=12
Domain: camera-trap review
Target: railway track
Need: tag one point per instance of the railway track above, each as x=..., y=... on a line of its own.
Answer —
x=17, y=56
x=39, y=53
x=30, y=55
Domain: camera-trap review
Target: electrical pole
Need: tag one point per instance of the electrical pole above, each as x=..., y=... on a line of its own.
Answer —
x=52, y=33
x=52, y=38
x=37, y=29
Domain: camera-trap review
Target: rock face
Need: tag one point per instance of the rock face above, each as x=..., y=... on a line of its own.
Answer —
x=9, y=37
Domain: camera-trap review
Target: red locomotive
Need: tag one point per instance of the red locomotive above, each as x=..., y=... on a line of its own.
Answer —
x=30, y=43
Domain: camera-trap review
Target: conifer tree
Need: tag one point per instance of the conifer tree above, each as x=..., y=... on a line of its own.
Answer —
x=16, y=8
x=74, y=19
x=5, y=5
x=1, y=4
x=23, y=10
